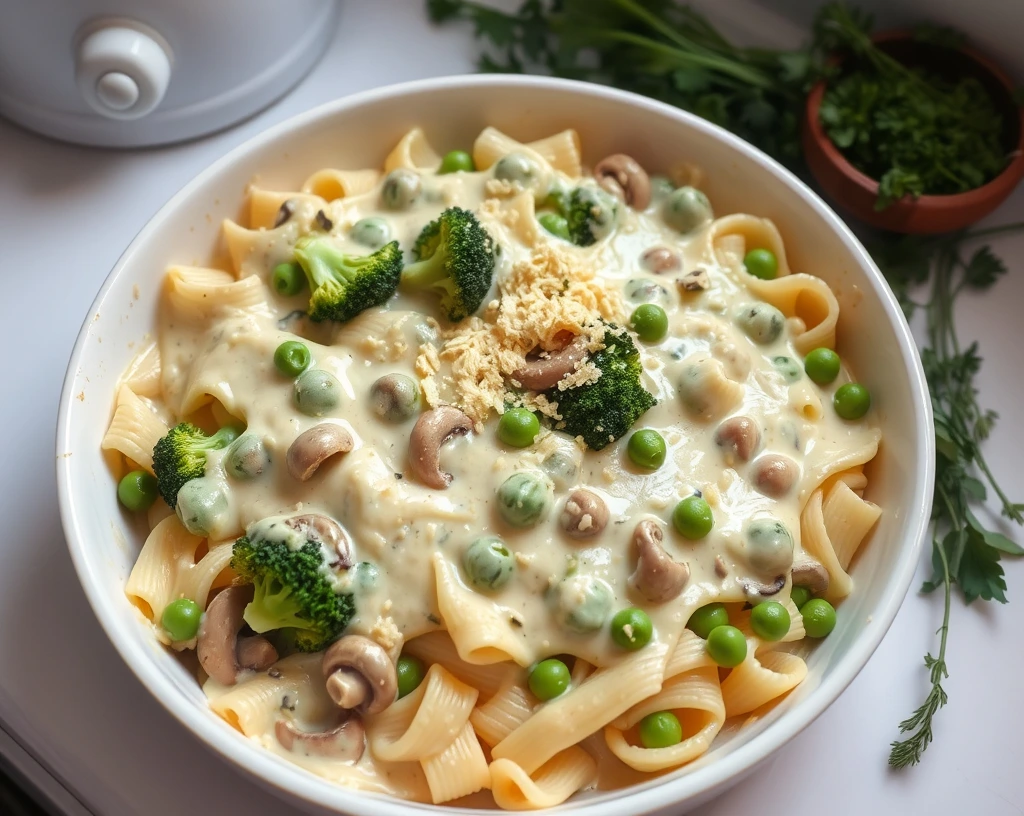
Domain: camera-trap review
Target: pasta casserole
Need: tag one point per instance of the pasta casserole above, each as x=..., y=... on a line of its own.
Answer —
x=490, y=477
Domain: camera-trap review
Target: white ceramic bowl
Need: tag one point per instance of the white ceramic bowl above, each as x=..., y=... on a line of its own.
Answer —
x=358, y=131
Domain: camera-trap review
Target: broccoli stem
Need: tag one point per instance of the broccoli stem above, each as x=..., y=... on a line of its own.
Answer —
x=428, y=272
x=273, y=607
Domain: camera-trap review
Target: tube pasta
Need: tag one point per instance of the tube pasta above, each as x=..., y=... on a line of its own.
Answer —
x=459, y=770
x=561, y=151
x=696, y=697
x=508, y=709
x=816, y=541
x=848, y=519
x=144, y=373
x=197, y=292
x=159, y=574
x=413, y=152
x=330, y=184
x=760, y=679
x=213, y=570
x=135, y=429
x=264, y=206
x=491, y=145
x=554, y=782
x=566, y=720
x=437, y=647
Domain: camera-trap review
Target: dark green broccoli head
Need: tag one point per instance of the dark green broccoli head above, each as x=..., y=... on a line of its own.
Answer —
x=292, y=591
x=604, y=410
x=455, y=258
x=344, y=285
x=180, y=456
x=590, y=213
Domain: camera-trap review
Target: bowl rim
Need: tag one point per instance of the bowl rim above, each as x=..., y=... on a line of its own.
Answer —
x=984, y=193
x=292, y=781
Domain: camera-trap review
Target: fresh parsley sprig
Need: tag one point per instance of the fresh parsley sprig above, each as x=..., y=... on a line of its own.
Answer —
x=964, y=551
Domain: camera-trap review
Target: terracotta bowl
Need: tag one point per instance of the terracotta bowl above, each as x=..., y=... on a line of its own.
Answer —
x=855, y=193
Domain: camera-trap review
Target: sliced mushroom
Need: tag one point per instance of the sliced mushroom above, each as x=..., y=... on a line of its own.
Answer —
x=759, y=590
x=217, y=645
x=359, y=675
x=812, y=575
x=657, y=577
x=345, y=741
x=315, y=446
x=545, y=372
x=696, y=280
x=585, y=514
x=624, y=178
x=738, y=436
x=774, y=475
x=325, y=530
x=721, y=570
x=322, y=221
x=661, y=259
x=431, y=431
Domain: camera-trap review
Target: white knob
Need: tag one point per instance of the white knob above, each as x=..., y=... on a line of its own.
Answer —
x=122, y=69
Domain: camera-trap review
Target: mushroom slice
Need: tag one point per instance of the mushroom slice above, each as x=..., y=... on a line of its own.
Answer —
x=585, y=514
x=774, y=475
x=696, y=280
x=755, y=589
x=217, y=643
x=812, y=575
x=657, y=577
x=543, y=373
x=314, y=446
x=738, y=436
x=359, y=675
x=431, y=431
x=721, y=570
x=661, y=259
x=625, y=179
x=345, y=741
x=325, y=530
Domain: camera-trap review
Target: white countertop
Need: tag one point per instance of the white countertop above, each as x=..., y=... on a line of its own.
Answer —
x=66, y=213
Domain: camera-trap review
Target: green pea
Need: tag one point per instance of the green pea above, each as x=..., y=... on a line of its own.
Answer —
x=180, y=619
x=561, y=467
x=686, y=209
x=524, y=499
x=822, y=365
x=647, y=449
x=819, y=617
x=799, y=595
x=769, y=546
x=288, y=279
x=410, y=671
x=401, y=189
x=692, y=518
x=649, y=322
x=247, y=457
x=367, y=576
x=787, y=367
x=660, y=730
x=708, y=617
x=518, y=427
x=137, y=490
x=769, y=620
x=395, y=397
x=631, y=628
x=202, y=506
x=762, y=322
x=292, y=358
x=516, y=168
x=761, y=263
x=661, y=188
x=548, y=679
x=727, y=646
x=644, y=290
x=584, y=603
x=317, y=392
x=456, y=161
x=852, y=400
x=556, y=224
x=371, y=232
x=488, y=563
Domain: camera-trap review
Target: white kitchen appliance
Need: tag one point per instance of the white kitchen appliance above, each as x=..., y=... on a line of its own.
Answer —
x=130, y=73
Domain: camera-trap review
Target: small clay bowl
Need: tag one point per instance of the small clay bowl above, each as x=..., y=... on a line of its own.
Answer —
x=855, y=192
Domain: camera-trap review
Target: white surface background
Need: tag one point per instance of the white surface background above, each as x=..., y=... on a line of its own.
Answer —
x=66, y=214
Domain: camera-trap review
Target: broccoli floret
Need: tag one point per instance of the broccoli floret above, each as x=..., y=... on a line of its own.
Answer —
x=180, y=456
x=344, y=285
x=604, y=410
x=590, y=213
x=291, y=588
x=455, y=258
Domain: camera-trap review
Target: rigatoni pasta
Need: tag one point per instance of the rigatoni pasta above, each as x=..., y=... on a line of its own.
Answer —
x=479, y=472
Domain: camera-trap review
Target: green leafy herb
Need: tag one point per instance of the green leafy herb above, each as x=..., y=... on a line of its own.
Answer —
x=964, y=551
